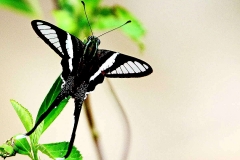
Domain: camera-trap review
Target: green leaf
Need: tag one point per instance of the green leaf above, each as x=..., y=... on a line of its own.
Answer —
x=92, y=4
x=77, y=26
x=69, y=24
x=112, y=17
x=24, y=115
x=135, y=29
x=75, y=7
x=22, y=146
x=24, y=6
x=36, y=134
x=51, y=96
x=54, y=150
x=100, y=18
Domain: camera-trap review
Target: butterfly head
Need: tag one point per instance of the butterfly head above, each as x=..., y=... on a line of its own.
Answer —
x=91, y=47
x=94, y=40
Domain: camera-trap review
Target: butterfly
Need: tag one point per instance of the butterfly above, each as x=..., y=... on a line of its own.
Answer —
x=84, y=66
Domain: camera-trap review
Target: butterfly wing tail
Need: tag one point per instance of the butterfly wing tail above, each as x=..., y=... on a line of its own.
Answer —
x=79, y=97
x=55, y=103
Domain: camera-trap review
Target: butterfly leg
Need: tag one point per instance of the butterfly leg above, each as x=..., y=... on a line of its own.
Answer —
x=79, y=97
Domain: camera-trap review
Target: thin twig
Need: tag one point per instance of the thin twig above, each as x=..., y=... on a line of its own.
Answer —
x=93, y=129
x=128, y=130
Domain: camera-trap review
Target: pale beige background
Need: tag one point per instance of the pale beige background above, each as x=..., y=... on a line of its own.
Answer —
x=188, y=109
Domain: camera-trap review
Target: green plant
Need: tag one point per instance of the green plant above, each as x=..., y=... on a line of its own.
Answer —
x=101, y=18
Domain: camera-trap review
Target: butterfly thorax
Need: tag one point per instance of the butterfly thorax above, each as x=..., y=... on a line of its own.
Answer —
x=90, y=48
x=88, y=64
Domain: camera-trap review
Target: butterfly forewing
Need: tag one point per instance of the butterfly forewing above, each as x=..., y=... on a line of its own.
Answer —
x=50, y=34
x=67, y=46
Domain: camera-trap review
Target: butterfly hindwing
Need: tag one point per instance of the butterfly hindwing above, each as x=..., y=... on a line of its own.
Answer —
x=67, y=46
x=118, y=65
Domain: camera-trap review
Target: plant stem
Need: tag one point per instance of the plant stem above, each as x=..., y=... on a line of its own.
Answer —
x=128, y=129
x=35, y=155
x=93, y=129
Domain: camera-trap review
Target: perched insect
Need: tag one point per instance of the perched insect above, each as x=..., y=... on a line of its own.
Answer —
x=84, y=66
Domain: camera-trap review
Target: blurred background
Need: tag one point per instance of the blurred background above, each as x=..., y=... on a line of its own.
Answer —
x=188, y=108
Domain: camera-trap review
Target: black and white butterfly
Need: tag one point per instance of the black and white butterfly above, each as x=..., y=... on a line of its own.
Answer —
x=83, y=67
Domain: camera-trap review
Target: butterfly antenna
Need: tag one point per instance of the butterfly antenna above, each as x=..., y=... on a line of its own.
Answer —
x=115, y=28
x=87, y=16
